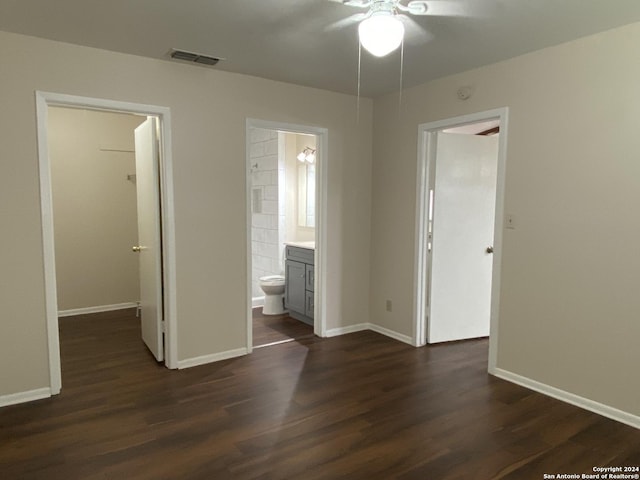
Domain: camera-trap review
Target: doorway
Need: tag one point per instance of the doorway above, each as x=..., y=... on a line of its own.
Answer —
x=286, y=194
x=93, y=164
x=459, y=228
x=162, y=186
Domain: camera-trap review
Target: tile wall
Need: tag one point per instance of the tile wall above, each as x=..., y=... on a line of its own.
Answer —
x=267, y=237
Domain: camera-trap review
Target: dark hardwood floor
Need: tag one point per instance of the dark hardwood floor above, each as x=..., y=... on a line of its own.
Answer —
x=360, y=406
x=271, y=329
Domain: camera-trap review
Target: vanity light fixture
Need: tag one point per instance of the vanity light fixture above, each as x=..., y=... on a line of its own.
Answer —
x=307, y=155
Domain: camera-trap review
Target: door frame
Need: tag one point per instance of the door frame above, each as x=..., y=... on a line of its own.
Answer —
x=320, y=261
x=427, y=143
x=44, y=100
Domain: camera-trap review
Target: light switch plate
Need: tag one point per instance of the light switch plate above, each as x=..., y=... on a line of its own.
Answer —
x=510, y=221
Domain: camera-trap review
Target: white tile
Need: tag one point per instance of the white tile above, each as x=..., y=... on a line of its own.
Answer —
x=270, y=193
x=268, y=134
x=271, y=148
x=258, y=249
x=271, y=134
x=255, y=279
x=271, y=237
x=267, y=250
x=263, y=263
x=268, y=162
x=259, y=135
x=256, y=150
x=255, y=289
x=257, y=273
x=270, y=207
x=260, y=178
x=276, y=266
x=272, y=251
x=258, y=234
x=261, y=221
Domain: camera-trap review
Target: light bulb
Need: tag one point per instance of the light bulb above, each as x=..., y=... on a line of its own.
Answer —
x=301, y=157
x=311, y=157
x=381, y=33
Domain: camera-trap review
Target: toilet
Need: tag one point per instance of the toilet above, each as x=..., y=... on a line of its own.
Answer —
x=273, y=288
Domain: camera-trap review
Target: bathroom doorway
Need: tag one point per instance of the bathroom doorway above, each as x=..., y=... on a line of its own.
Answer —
x=91, y=179
x=460, y=228
x=284, y=231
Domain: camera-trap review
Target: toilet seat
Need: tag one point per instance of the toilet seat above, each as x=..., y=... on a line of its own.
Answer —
x=273, y=280
x=273, y=287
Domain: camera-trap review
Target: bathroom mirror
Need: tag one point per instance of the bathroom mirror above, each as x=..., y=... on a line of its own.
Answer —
x=307, y=195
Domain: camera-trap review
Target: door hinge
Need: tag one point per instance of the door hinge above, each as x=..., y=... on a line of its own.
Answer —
x=164, y=326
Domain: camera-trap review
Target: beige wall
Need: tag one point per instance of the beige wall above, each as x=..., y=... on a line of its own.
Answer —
x=209, y=110
x=94, y=207
x=570, y=309
x=569, y=303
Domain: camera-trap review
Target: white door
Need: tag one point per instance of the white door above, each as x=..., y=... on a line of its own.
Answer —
x=463, y=227
x=149, y=245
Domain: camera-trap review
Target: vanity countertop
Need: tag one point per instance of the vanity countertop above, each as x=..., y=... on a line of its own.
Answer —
x=309, y=245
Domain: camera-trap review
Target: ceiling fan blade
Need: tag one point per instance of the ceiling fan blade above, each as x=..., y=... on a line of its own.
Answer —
x=415, y=33
x=345, y=22
x=358, y=3
x=354, y=3
x=414, y=7
x=446, y=8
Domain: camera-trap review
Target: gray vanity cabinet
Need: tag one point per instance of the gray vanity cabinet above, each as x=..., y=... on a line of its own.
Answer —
x=299, y=275
x=295, y=293
x=308, y=305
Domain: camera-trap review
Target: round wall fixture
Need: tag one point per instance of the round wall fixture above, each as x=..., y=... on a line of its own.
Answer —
x=464, y=93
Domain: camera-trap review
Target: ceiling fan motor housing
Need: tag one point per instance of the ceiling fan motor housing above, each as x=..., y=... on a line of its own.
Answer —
x=387, y=7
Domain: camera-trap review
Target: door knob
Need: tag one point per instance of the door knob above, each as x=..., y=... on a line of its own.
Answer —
x=489, y=249
x=137, y=248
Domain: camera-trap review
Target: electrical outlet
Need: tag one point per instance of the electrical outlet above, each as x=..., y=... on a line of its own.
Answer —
x=389, y=306
x=511, y=221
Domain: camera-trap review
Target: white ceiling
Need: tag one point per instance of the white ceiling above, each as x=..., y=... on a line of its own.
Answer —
x=289, y=40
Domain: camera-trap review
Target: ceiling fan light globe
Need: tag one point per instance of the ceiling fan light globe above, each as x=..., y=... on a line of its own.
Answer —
x=381, y=34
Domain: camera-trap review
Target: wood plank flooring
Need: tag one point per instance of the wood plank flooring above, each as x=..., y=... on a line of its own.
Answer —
x=360, y=406
x=269, y=329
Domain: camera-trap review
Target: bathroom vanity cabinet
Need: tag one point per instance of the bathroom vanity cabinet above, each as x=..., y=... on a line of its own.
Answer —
x=299, y=278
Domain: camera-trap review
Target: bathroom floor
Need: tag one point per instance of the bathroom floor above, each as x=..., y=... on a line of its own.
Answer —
x=273, y=329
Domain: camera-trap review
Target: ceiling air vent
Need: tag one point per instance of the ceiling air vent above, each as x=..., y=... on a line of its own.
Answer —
x=193, y=57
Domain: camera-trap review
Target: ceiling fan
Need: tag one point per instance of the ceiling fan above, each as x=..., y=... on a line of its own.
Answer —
x=381, y=29
x=414, y=7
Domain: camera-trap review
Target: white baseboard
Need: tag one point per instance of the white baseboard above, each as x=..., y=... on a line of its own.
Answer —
x=22, y=397
x=257, y=302
x=578, y=401
x=334, y=332
x=98, y=309
x=214, y=357
x=391, y=334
